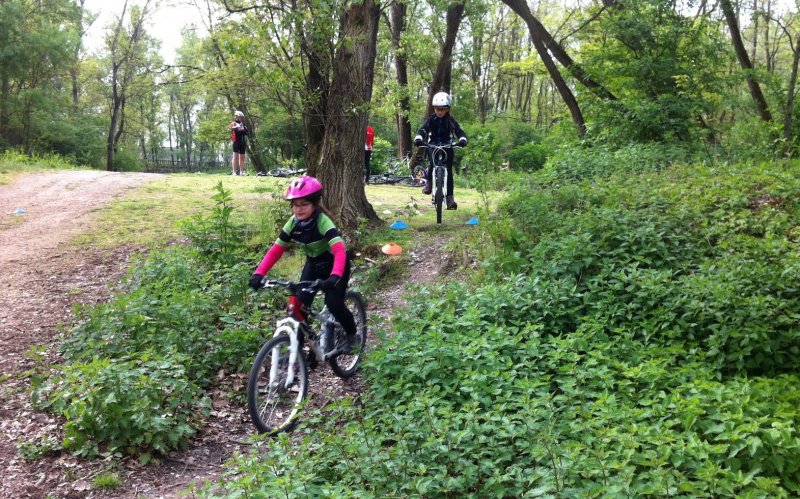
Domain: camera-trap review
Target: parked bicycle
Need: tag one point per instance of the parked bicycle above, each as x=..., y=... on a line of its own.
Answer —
x=278, y=381
x=437, y=155
x=395, y=173
x=285, y=172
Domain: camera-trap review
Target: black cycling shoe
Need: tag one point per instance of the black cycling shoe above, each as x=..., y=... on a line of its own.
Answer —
x=311, y=361
x=348, y=343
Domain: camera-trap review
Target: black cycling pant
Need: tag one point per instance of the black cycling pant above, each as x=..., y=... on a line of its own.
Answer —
x=367, y=158
x=334, y=298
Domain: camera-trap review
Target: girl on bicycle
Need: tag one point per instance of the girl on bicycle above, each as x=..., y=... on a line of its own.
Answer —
x=441, y=128
x=326, y=257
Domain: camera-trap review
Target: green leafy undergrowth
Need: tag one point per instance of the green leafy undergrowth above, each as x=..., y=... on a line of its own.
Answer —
x=632, y=337
x=137, y=367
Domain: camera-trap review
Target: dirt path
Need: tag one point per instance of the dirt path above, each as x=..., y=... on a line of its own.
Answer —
x=42, y=278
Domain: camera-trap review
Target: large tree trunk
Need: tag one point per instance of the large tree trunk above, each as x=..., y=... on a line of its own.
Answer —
x=744, y=61
x=315, y=104
x=535, y=28
x=397, y=22
x=341, y=165
x=122, y=75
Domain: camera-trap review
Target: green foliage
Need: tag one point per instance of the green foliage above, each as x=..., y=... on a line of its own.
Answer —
x=138, y=364
x=527, y=157
x=131, y=405
x=33, y=450
x=571, y=163
x=107, y=480
x=635, y=337
x=664, y=65
x=217, y=237
x=13, y=160
x=127, y=160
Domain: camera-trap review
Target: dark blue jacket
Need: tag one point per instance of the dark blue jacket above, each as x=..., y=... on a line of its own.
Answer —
x=440, y=130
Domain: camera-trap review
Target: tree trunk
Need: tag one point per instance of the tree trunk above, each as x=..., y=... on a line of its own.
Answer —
x=73, y=72
x=341, y=165
x=521, y=8
x=442, y=76
x=539, y=31
x=5, y=112
x=316, y=103
x=790, y=94
x=744, y=61
x=397, y=23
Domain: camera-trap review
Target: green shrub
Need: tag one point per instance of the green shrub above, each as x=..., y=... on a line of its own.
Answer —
x=572, y=164
x=136, y=405
x=189, y=304
x=528, y=157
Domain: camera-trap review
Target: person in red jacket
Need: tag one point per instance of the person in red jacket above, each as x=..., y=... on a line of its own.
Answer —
x=368, y=152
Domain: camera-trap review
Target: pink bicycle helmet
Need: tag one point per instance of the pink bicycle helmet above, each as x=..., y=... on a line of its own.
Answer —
x=304, y=187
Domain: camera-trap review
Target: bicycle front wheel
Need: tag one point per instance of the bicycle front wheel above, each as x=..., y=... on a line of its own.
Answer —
x=345, y=365
x=273, y=406
x=438, y=195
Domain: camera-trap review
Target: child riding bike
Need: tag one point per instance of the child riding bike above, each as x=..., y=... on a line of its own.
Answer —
x=326, y=255
x=441, y=128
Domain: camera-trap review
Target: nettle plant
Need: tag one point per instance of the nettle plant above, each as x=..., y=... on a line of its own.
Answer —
x=634, y=337
x=138, y=366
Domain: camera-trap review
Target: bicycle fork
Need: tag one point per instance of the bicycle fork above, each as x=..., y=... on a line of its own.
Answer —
x=323, y=351
x=439, y=170
x=287, y=326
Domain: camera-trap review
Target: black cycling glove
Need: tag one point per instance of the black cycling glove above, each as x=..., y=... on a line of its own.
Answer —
x=330, y=282
x=256, y=281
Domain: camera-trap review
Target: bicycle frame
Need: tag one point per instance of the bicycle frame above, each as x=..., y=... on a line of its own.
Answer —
x=317, y=342
x=437, y=155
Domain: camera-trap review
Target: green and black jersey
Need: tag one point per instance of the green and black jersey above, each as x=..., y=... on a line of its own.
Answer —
x=315, y=235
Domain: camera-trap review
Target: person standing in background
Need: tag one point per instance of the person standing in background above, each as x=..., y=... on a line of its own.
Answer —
x=368, y=152
x=238, y=133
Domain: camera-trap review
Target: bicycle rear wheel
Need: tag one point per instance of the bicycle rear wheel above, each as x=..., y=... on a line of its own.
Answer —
x=274, y=407
x=378, y=179
x=346, y=365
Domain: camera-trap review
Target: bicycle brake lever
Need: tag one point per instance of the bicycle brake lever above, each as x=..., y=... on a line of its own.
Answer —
x=314, y=287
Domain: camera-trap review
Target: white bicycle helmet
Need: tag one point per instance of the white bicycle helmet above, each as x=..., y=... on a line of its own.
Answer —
x=239, y=114
x=441, y=99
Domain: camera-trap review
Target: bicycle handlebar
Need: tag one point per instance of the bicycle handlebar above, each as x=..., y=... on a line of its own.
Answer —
x=443, y=146
x=306, y=286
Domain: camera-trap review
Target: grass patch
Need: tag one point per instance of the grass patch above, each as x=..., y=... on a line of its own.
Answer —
x=151, y=214
x=13, y=164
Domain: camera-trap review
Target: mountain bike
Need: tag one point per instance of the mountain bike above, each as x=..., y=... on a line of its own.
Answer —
x=278, y=382
x=437, y=155
x=394, y=174
x=284, y=172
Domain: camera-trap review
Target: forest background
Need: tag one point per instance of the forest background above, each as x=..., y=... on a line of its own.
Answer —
x=527, y=81
x=639, y=276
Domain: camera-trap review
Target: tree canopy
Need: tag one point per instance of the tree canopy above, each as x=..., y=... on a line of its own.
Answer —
x=309, y=75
